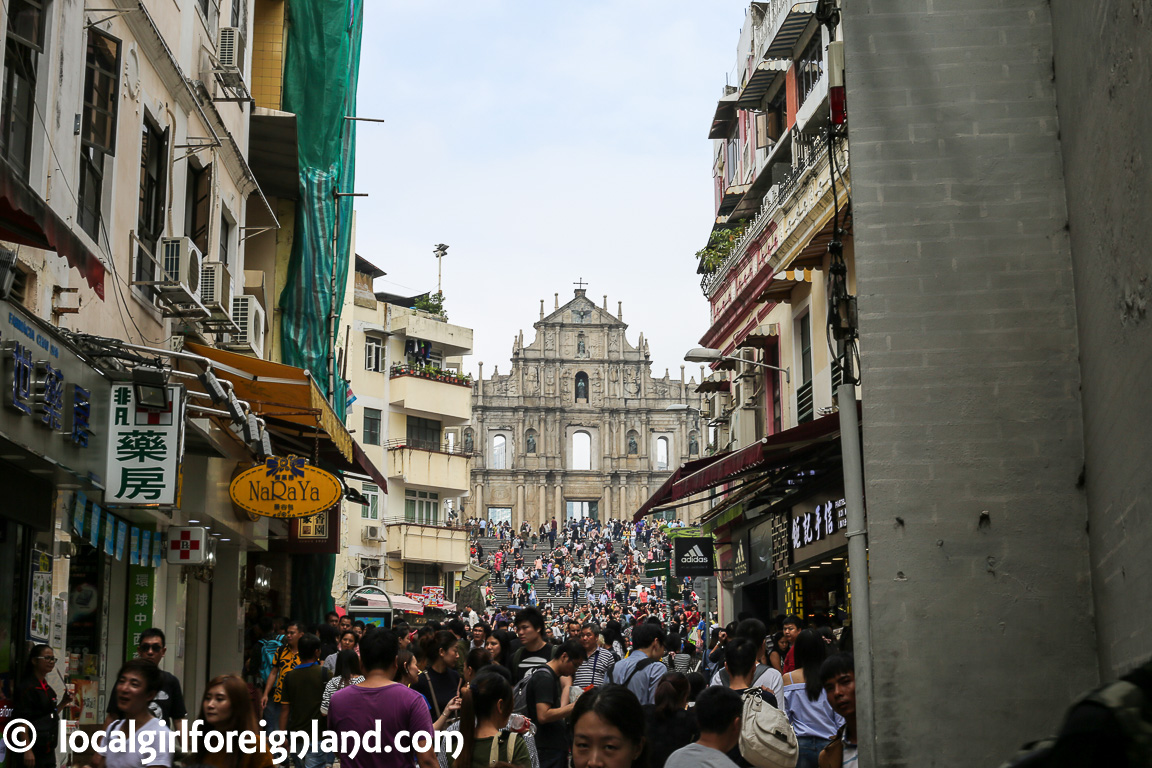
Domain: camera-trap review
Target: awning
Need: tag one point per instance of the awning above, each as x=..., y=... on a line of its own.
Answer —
x=780, y=289
x=732, y=195
x=399, y=603
x=812, y=255
x=291, y=403
x=713, y=385
x=777, y=451
x=765, y=74
x=723, y=117
x=761, y=336
x=26, y=219
x=791, y=26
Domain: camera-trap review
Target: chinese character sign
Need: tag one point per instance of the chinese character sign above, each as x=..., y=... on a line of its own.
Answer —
x=145, y=449
x=138, y=611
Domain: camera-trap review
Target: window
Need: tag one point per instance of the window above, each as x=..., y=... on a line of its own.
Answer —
x=370, y=567
x=499, y=452
x=203, y=5
x=197, y=205
x=237, y=14
x=423, y=434
x=150, y=217
x=581, y=450
x=373, y=354
x=98, y=127
x=417, y=576
x=371, y=426
x=579, y=510
x=810, y=67
x=732, y=160
x=804, y=405
x=371, y=511
x=225, y=238
x=581, y=387
x=777, y=410
x=23, y=45
x=661, y=453
x=421, y=507
x=500, y=514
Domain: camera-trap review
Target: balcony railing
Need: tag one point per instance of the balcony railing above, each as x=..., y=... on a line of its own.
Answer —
x=804, y=403
x=430, y=372
x=808, y=154
x=432, y=446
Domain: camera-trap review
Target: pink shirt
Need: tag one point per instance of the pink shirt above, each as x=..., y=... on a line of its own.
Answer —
x=396, y=707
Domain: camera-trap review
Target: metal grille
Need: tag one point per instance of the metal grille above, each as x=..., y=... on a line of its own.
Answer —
x=804, y=405
x=241, y=309
x=227, y=50
x=781, y=549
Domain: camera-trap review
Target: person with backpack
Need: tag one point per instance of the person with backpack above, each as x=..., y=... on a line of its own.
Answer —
x=718, y=714
x=640, y=671
x=597, y=662
x=484, y=715
x=545, y=692
x=534, y=651
x=284, y=660
x=765, y=675
x=812, y=717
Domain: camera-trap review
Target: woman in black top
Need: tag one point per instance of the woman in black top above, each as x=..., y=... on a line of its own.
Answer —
x=36, y=703
x=668, y=724
x=439, y=683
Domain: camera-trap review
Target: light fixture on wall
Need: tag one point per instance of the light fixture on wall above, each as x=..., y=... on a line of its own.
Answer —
x=150, y=386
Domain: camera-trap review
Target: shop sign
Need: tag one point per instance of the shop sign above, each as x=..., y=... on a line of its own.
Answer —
x=187, y=546
x=818, y=524
x=145, y=449
x=50, y=394
x=693, y=556
x=141, y=595
x=740, y=563
x=433, y=597
x=285, y=487
x=40, y=598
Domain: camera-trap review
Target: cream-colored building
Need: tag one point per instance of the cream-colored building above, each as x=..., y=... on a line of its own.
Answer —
x=412, y=401
x=578, y=427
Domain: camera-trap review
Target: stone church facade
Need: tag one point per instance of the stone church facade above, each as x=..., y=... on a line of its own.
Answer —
x=578, y=427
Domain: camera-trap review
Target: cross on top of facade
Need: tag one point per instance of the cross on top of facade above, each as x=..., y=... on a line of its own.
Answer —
x=580, y=283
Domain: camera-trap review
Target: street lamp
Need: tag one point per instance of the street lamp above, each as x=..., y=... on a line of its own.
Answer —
x=706, y=355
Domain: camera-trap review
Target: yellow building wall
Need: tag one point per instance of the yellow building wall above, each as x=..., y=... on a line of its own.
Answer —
x=268, y=52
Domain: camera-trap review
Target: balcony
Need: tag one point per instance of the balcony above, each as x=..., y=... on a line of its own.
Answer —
x=438, y=395
x=439, y=467
x=452, y=339
x=420, y=543
x=786, y=21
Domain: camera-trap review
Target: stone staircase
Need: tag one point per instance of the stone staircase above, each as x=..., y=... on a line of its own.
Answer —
x=503, y=597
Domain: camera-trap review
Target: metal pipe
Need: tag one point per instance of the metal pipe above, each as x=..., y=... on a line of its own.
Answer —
x=857, y=536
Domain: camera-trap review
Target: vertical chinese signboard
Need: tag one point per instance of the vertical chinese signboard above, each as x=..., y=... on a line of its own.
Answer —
x=144, y=449
x=141, y=586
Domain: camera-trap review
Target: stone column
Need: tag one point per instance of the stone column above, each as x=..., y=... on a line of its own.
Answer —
x=521, y=513
x=606, y=512
x=561, y=512
x=542, y=501
x=479, y=496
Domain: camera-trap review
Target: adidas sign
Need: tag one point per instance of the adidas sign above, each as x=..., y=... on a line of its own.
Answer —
x=694, y=556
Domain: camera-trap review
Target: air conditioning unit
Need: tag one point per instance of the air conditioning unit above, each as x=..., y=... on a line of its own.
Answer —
x=373, y=533
x=355, y=579
x=230, y=53
x=249, y=315
x=181, y=261
x=216, y=289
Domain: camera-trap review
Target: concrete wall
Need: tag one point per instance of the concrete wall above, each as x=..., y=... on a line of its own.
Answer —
x=1103, y=69
x=982, y=628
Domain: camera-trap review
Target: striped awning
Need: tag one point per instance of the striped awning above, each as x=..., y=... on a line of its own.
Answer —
x=765, y=74
x=780, y=289
x=791, y=27
x=732, y=195
x=761, y=335
x=713, y=385
x=724, y=117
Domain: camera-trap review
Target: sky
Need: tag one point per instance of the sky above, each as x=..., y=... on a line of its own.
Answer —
x=544, y=142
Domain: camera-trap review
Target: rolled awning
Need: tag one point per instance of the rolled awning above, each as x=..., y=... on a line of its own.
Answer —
x=291, y=403
x=26, y=219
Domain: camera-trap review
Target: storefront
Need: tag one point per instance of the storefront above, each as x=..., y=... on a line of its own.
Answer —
x=816, y=576
x=49, y=450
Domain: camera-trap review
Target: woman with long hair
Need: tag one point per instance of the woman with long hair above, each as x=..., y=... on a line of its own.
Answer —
x=439, y=683
x=137, y=683
x=35, y=701
x=601, y=735
x=805, y=704
x=347, y=673
x=498, y=644
x=476, y=660
x=227, y=708
x=669, y=724
x=407, y=671
x=484, y=713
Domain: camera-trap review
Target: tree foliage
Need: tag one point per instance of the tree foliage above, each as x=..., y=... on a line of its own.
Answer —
x=719, y=248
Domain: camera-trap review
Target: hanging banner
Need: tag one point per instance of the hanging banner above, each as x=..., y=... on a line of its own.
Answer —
x=285, y=487
x=109, y=535
x=79, y=510
x=141, y=584
x=94, y=528
x=40, y=602
x=144, y=450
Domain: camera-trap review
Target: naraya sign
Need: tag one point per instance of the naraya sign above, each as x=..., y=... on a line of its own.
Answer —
x=285, y=486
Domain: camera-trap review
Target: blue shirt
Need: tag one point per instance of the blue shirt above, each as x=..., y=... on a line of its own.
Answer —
x=644, y=682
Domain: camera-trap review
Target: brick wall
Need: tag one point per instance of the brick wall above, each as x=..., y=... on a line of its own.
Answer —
x=982, y=629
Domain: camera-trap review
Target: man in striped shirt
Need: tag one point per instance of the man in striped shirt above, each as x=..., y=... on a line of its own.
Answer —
x=594, y=670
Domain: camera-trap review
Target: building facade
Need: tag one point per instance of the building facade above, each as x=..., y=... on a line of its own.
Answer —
x=578, y=427
x=412, y=402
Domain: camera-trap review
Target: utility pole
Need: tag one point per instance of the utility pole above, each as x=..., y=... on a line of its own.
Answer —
x=440, y=251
